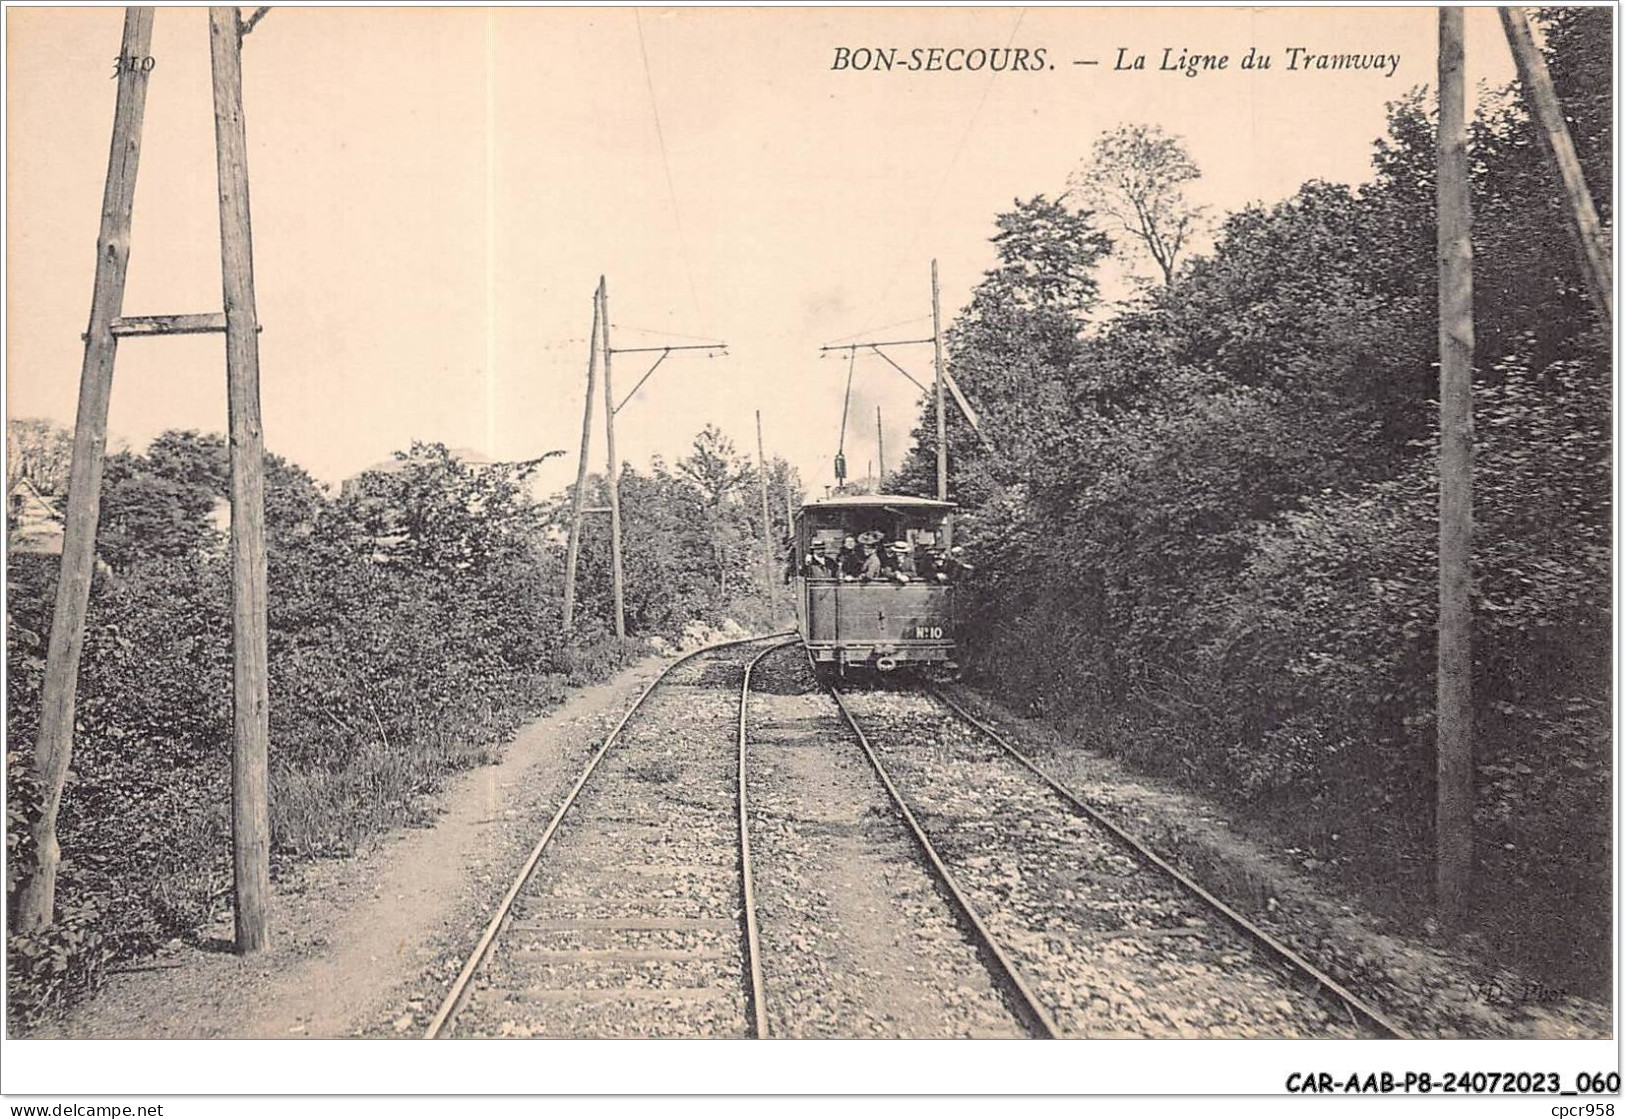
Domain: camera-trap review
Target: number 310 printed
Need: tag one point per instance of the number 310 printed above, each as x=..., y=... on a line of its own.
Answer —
x=132, y=64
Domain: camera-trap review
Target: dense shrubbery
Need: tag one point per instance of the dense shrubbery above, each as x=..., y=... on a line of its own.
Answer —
x=414, y=623
x=1209, y=532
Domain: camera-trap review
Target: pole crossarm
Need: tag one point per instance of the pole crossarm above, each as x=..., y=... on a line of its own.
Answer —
x=665, y=349
x=665, y=352
x=138, y=326
x=954, y=390
x=873, y=345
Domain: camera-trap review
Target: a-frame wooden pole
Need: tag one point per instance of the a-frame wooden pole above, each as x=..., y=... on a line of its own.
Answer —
x=572, y=550
x=1454, y=808
x=617, y=583
x=53, y=749
x=250, y=777
x=1554, y=135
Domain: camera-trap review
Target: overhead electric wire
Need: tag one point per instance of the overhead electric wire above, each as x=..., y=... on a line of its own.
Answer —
x=665, y=162
x=876, y=330
x=667, y=333
x=953, y=161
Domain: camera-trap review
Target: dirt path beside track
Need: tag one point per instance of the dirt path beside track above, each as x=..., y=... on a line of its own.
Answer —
x=366, y=946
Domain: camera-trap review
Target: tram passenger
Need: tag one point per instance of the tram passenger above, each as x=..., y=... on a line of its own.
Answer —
x=930, y=564
x=816, y=564
x=873, y=566
x=897, y=561
x=938, y=566
x=954, y=566
x=849, y=563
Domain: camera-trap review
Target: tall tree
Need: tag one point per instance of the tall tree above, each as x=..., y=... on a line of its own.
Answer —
x=722, y=476
x=1136, y=175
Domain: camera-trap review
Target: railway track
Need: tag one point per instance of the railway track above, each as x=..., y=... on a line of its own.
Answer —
x=1093, y=934
x=633, y=915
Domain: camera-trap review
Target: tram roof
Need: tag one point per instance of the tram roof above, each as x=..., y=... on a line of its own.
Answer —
x=878, y=501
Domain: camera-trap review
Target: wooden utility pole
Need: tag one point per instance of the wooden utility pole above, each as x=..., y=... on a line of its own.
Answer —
x=53, y=748
x=618, y=579
x=942, y=410
x=1454, y=814
x=880, y=450
x=1554, y=135
x=614, y=476
x=767, y=519
x=250, y=759
x=572, y=550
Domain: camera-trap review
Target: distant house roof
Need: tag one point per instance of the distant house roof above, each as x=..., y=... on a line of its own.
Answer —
x=33, y=525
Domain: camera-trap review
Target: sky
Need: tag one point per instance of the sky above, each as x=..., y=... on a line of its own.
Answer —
x=436, y=191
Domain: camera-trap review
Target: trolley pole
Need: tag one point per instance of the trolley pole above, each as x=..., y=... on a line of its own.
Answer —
x=942, y=412
x=572, y=550
x=53, y=748
x=767, y=519
x=880, y=444
x=614, y=477
x=1454, y=810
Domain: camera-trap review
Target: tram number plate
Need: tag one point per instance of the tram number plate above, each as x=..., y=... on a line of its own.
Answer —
x=927, y=633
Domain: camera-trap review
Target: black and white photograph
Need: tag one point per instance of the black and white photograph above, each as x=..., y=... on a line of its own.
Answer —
x=913, y=526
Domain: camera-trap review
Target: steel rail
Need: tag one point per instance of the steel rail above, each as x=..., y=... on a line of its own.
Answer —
x=1027, y=1001
x=1252, y=931
x=753, y=947
x=458, y=995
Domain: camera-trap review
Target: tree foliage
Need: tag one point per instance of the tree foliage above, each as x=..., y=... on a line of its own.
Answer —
x=414, y=622
x=1210, y=521
x=40, y=451
x=1136, y=175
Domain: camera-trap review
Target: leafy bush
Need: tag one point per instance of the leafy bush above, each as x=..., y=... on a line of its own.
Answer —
x=414, y=625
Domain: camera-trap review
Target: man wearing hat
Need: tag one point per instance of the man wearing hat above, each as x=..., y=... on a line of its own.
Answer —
x=817, y=565
x=940, y=566
x=897, y=560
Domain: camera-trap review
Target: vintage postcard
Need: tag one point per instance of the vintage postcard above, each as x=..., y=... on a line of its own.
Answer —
x=569, y=525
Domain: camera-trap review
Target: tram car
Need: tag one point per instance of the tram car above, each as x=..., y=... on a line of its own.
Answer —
x=874, y=579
